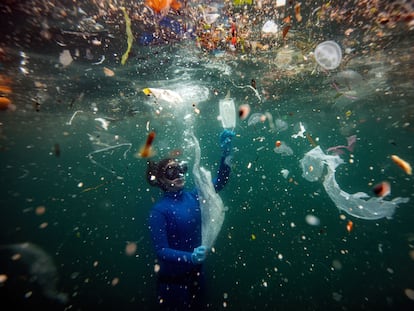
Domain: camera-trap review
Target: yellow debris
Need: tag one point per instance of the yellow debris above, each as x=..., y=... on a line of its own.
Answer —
x=147, y=91
x=130, y=37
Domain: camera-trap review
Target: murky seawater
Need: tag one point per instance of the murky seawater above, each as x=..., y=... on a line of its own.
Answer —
x=73, y=186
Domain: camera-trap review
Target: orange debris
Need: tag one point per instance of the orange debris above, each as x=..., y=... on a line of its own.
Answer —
x=108, y=72
x=5, y=89
x=297, y=12
x=349, y=226
x=402, y=163
x=163, y=6
x=4, y=103
x=287, y=19
x=146, y=150
x=285, y=31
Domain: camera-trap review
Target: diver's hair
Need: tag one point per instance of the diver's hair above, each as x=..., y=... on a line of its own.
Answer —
x=155, y=172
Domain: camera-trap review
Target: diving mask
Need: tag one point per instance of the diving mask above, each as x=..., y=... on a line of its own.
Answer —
x=175, y=170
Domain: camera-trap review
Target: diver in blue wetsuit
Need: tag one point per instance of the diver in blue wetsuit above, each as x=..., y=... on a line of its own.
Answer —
x=175, y=226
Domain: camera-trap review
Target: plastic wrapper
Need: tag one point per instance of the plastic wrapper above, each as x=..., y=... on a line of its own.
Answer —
x=212, y=206
x=359, y=204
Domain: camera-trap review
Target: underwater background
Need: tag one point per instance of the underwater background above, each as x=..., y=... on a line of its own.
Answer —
x=73, y=188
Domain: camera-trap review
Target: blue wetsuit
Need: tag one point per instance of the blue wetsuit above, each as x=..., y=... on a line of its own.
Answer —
x=175, y=225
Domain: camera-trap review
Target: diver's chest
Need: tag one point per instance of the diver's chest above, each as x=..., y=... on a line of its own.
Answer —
x=185, y=211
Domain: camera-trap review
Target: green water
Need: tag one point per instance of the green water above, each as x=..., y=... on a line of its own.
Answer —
x=267, y=257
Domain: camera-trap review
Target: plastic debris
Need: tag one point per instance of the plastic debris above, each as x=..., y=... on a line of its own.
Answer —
x=162, y=7
x=281, y=125
x=108, y=72
x=359, y=204
x=283, y=149
x=211, y=204
x=130, y=37
x=298, y=16
x=164, y=94
x=211, y=18
x=285, y=173
x=104, y=123
x=256, y=118
x=65, y=58
x=404, y=165
x=280, y=3
x=27, y=263
x=328, y=55
x=339, y=149
x=227, y=112
x=107, y=153
x=349, y=225
x=73, y=116
x=242, y=2
x=146, y=151
x=270, y=28
x=301, y=132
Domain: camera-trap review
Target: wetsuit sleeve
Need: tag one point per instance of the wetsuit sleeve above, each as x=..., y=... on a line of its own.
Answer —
x=223, y=174
x=157, y=223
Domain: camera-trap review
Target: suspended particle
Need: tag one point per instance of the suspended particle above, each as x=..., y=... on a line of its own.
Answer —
x=312, y=220
x=115, y=281
x=130, y=248
x=409, y=293
x=40, y=210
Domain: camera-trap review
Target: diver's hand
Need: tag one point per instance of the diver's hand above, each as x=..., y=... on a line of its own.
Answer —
x=199, y=255
x=225, y=141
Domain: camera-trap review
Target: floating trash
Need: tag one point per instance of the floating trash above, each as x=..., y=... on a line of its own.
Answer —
x=351, y=140
x=283, y=149
x=281, y=125
x=103, y=122
x=301, y=132
x=270, y=28
x=227, y=112
x=65, y=58
x=211, y=18
x=256, y=118
x=107, y=152
x=359, y=204
x=211, y=204
x=285, y=173
x=27, y=263
x=404, y=165
x=382, y=189
x=328, y=55
x=349, y=225
x=164, y=94
x=244, y=111
x=146, y=150
x=348, y=79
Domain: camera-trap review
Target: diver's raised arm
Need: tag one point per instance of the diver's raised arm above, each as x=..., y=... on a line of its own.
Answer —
x=223, y=172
